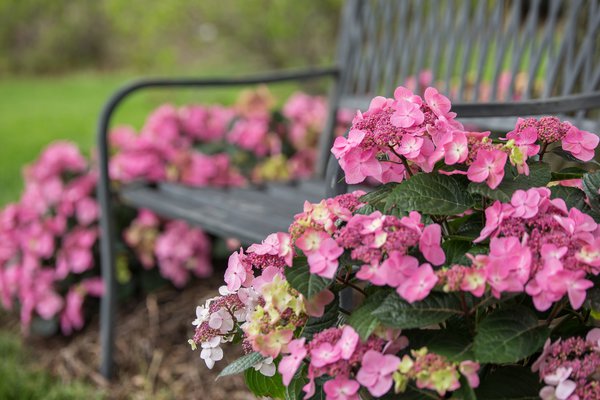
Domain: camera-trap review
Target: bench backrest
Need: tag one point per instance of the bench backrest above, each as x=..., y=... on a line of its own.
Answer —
x=473, y=50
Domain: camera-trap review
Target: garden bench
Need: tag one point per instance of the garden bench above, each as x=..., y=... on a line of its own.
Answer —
x=548, y=50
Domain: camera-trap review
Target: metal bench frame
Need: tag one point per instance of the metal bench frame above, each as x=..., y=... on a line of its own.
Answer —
x=379, y=49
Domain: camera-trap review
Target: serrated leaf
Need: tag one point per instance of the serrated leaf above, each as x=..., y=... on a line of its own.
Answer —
x=435, y=308
x=377, y=198
x=329, y=319
x=508, y=335
x=569, y=157
x=302, y=280
x=261, y=385
x=573, y=197
x=456, y=251
x=242, y=364
x=433, y=194
x=509, y=383
x=451, y=343
x=539, y=175
x=568, y=173
x=362, y=319
x=591, y=185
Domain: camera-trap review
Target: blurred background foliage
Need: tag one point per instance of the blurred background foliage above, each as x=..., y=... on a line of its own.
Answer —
x=61, y=59
x=59, y=36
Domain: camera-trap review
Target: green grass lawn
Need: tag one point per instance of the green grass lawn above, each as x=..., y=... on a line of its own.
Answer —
x=37, y=111
x=20, y=379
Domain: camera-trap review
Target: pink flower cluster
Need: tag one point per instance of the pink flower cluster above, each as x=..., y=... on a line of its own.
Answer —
x=569, y=368
x=193, y=144
x=537, y=246
x=397, y=137
x=530, y=132
x=175, y=247
x=47, y=267
x=164, y=148
x=382, y=243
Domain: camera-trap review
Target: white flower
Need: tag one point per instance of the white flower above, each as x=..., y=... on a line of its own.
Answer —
x=201, y=315
x=564, y=386
x=266, y=367
x=221, y=320
x=211, y=351
x=223, y=291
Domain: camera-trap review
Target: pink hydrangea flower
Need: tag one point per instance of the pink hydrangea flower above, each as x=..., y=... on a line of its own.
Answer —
x=527, y=139
x=347, y=343
x=573, y=283
x=525, y=203
x=438, y=103
x=410, y=146
x=429, y=244
x=456, y=150
x=341, y=145
x=580, y=144
x=341, y=388
x=289, y=364
x=324, y=261
x=72, y=316
x=310, y=241
x=360, y=164
x=419, y=285
x=376, y=372
x=236, y=274
x=488, y=166
x=315, y=306
x=324, y=354
x=268, y=246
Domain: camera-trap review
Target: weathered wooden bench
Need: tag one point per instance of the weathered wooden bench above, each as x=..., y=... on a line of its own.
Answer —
x=545, y=53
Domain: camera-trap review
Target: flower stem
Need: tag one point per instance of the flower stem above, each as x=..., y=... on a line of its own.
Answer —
x=352, y=285
x=555, y=310
x=404, y=161
x=544, y=147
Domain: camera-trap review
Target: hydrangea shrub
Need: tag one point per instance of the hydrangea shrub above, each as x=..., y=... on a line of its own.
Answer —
x=470, y=273
x=49, y=238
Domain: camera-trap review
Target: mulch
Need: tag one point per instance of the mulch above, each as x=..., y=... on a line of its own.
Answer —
x=152, y=355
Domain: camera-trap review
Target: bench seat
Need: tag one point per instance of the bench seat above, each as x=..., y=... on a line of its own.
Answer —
x=248, y=214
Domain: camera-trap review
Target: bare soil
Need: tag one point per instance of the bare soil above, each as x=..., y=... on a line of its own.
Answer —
x=153, y=358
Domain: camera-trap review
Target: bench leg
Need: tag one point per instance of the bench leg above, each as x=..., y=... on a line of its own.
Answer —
x=109, y=298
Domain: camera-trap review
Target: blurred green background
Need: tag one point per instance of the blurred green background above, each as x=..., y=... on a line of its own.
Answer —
x=61, y=59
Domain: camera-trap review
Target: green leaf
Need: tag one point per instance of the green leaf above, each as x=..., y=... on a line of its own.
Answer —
x=509, y=383
x=509, y=335
x=329, y=319
x=573, y=197
x=539, y=175
x=302, y=280
x=261, y=385
x=432, y=194
x=569, y=157
x=451, y=343
x=568, y=173
x=456, y=251
x=435, y=308
x=468, y=226
x=362, y=319
x=591, y=185
x=242, y=364
x=378, y=197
